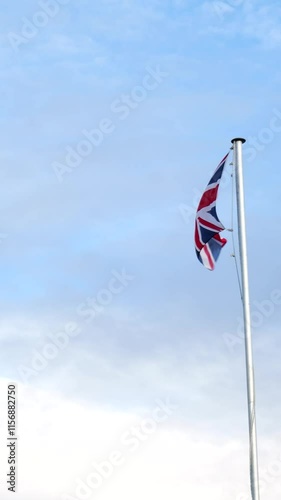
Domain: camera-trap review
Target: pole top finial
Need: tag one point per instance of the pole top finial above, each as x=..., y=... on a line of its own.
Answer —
x=238, y=139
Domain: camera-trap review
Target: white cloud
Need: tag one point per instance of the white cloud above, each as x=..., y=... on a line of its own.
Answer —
x=59, y=439
x=248, y=19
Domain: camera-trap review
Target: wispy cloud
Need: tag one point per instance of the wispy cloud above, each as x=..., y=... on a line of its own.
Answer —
x=255, y=21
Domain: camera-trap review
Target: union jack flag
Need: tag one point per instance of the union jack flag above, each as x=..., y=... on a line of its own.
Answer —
x=208, y=243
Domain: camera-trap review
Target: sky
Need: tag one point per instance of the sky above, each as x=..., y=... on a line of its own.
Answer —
x=127, y=355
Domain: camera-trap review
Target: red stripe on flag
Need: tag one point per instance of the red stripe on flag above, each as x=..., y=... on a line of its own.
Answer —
x=210, y=225
x=208, y=197
x=209, y=257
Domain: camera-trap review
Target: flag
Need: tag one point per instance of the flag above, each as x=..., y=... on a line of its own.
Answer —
x=208, y=242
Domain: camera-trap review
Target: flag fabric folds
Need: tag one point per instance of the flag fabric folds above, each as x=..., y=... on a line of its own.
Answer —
x=208, y=242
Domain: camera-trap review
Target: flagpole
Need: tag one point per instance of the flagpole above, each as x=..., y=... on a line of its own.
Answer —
x=238, y=163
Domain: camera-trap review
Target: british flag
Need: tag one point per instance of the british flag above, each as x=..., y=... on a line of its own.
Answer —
x=208, y=242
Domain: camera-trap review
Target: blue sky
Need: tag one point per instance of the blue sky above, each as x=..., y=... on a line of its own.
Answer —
x=163, y=334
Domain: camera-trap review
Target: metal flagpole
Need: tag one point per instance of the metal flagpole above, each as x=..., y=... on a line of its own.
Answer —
x=254, y=473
